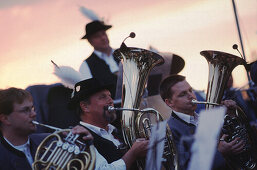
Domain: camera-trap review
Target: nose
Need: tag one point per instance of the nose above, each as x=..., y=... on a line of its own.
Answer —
x=110, y=100
x=33, y=113
x=191, y=95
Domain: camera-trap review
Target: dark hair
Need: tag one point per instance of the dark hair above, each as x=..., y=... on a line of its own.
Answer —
x=10, y=96
x=168, y=83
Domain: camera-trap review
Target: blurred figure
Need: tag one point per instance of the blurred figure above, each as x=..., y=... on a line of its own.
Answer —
x=100, y=64
x=236, y=95
x=91, y=98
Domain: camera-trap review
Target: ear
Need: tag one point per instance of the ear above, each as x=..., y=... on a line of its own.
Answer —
x=4, y=118
x=169, y=102
x=84, y=106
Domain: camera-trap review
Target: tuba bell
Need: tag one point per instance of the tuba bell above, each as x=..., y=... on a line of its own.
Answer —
x=235, y=124
x=137, y=64
x=63, y=150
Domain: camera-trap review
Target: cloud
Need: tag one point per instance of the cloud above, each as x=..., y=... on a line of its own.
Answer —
x=8, y=4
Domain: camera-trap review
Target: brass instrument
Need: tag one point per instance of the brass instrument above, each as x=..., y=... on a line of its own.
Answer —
x=63, y=150
x=137, y=64
x=235, y=124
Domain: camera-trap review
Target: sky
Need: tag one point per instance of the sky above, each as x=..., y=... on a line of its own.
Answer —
x=35, y=32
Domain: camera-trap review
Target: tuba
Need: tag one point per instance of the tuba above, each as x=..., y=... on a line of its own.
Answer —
x=235, y=124
x=137, y=64
x=64, y=150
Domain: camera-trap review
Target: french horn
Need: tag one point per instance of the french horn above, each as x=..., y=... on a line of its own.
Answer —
x=236, y=124
x=63, y=150
x=137, y=64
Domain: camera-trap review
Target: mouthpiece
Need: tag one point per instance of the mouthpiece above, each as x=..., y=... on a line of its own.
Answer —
x=109, y=108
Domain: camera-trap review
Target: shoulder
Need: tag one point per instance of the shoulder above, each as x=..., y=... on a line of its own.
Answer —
x=92, y=56
x=38, y=137
x=6, y=157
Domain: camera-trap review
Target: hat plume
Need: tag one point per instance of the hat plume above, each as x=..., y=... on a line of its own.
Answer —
x=68, y=76
x=89, y=13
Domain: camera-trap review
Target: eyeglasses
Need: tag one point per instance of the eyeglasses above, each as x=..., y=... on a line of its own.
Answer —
x=26, y=110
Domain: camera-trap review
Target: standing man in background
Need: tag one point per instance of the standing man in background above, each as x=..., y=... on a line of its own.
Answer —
x=100, y=64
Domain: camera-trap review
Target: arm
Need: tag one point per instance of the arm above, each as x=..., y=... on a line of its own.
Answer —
x=138, y=150
x=85, y=70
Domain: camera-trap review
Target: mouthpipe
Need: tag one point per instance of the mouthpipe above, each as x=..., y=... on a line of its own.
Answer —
x=111, y=109
x=202, y=102
x=48, y=126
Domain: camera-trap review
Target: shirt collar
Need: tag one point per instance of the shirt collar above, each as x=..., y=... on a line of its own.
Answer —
x=19, y=147
x=101, y=55
x=188, y=118
x=98, y=130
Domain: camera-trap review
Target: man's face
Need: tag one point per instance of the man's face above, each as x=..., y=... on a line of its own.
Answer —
x=99, y=40
x=97, y=103
x=20, y=120
x=181, y=98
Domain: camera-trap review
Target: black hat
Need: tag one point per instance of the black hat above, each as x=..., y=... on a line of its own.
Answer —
x=177, y=64
x=86, y=88
x=94, y=27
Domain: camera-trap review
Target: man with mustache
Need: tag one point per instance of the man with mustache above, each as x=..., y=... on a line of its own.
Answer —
x=91, y=98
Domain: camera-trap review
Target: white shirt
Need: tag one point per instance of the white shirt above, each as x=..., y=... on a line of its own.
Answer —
x=109, y=60
x=25, y=148
x=187, y=118
x=103, y=133
x=101, y=162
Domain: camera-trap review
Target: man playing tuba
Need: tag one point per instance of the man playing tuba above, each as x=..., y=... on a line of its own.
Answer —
x=91, y=98
x=177, y=93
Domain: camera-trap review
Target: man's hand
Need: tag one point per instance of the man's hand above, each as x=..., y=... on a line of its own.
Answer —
x=234, y=147
x=140, y=147
x=231, y=106
x=138, y=150
x=82, y=131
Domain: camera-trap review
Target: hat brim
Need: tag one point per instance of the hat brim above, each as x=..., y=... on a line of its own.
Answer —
x=105, y=27
x=73, y=103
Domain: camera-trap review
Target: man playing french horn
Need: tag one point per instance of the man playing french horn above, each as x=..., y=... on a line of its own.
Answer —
x=18, y=144
x=91, y=98
x=177, y=93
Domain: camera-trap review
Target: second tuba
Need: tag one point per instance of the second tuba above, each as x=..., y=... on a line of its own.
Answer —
x=137, y=64
x=235, y=125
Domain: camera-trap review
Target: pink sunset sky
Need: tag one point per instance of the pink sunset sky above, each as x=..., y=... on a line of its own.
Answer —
x=35, y=32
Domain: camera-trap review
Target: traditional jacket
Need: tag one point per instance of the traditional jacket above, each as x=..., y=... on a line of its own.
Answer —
x=13, y=159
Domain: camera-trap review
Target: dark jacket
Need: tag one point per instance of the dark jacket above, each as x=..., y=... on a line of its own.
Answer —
x=12, y=159
x=100, y=70
x=185, y=131
x=106, y=147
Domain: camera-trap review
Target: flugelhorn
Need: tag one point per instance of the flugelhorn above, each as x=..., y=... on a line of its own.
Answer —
x=63, y=150
x=137, y=64
x=235, y=124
